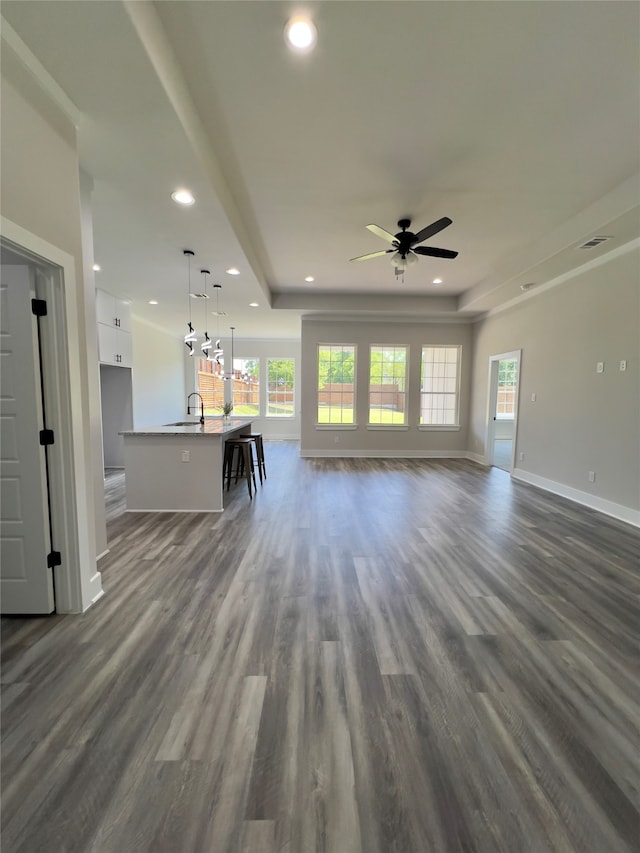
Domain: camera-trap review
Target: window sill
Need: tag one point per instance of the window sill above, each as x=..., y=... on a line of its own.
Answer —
x=439, y=427
x=336, y=426
x=392, y=427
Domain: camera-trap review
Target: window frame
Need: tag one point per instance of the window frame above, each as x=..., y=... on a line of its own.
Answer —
x=269, y=359
x=404, y=425
x=258, y=360
x=456, y=394
x=342, y=425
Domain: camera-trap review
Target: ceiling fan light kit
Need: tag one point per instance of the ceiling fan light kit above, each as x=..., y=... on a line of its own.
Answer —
x=404, y=245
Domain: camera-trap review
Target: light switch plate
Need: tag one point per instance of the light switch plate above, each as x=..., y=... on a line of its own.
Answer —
x=600, y=367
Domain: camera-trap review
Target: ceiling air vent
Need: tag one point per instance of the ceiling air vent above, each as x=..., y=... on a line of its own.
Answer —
x=199, y=295
x=593, y=242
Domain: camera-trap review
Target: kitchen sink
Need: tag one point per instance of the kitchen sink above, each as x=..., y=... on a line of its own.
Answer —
x=185, y=423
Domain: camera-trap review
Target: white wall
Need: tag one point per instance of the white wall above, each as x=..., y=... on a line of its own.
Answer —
x=41, y=197
x=581, y=420
x=159, y=390
x=363, y=441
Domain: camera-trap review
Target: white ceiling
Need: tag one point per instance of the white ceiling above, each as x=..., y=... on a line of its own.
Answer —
x=519, y=120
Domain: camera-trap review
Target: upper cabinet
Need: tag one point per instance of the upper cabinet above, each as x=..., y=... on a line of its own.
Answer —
x=114, y=329
x=113, y=311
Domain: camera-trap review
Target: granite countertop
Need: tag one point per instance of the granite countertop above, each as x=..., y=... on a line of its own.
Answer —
x=211, y=427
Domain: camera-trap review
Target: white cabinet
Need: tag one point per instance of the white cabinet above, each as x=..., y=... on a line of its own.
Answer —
x=114, y=330
x=112, y=311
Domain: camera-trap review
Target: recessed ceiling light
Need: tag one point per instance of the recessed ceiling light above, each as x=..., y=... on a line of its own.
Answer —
x=183, y=197
x=437, y=281
x=97, y=267
x=253, y=305
x=309, y=278
x=233, y=271
x=153, y=302
x=300, y=34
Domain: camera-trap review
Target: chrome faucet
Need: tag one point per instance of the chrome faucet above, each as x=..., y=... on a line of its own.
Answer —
x=195, y=394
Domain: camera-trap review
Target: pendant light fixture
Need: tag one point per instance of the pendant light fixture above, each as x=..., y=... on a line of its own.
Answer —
x=230, y=373
x=206, y=344
x=190, y=338
x=218, y=353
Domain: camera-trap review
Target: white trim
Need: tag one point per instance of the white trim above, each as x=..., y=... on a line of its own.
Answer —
x=560, y=279
x=492, y=403
x=388, y=454
x=622, y=513
x=74, y=593
x=335, y=426
x=388, y=427
x=439, y=427
x=39, y=72
x=479, y=458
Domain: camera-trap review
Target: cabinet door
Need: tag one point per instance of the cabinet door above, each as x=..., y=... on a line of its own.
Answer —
x=124, y=348
x=105, y=308
x=123, y=314
x=107, y=347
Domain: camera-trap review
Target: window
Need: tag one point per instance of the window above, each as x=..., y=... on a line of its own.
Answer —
x=246, y=386
x=440, y=385
x=280, y=385
x=507, y=383
x=210, y=386
x=336, y=397
x=387, y=378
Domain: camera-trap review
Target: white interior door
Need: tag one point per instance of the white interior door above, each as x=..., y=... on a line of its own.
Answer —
x=26, y=583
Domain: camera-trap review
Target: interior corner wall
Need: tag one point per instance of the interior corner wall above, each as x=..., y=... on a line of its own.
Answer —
x=41, y=195
x=390, y=442
x=581, y=420
x=159, y=391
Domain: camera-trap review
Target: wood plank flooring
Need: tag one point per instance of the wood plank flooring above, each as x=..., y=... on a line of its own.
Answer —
x=371, y=656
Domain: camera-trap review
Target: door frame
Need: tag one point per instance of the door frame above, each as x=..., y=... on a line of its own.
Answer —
x=492, y=399
x=78, y=584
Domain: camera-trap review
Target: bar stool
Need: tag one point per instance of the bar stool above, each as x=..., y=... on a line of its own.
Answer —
x=256, y=437
x=244, y=462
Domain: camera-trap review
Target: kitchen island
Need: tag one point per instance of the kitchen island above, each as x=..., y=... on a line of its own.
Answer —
x=178, y=467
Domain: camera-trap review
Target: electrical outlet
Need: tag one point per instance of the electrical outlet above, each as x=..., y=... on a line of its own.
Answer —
x=533, y=397
x=336, y=439
x=186, y=456
x=600, y=367
x=623, y=365
x=521, y=456
x=592, y=476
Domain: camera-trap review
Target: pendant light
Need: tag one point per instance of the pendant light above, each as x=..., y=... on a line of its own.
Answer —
x=218, y=353
x=230, y=373
x=206, y=344
x=190, y=337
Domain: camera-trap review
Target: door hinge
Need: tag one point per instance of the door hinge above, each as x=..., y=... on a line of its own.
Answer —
x=39, y=307
x=46, y=437
x=54, y=558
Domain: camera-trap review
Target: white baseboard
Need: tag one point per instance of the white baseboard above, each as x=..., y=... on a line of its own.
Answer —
x=386, y=454
x=619, y=511
x=477, y=457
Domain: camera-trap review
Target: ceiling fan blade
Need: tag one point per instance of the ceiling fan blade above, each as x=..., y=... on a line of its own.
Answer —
x=372, y=255
x=376, y=229
x=434, y=252
x=430, y=230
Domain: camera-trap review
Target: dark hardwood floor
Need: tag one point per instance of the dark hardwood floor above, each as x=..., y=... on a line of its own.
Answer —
x=371, y=655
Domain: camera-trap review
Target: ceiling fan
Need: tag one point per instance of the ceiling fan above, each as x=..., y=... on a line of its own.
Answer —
x=404, y=245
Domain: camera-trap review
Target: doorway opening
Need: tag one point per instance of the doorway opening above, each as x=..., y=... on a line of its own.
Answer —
x=62, y=530
x=502, y=417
